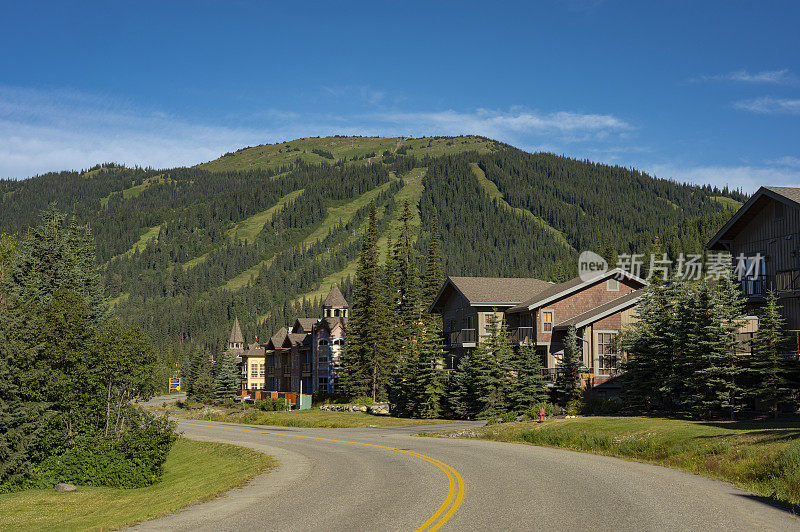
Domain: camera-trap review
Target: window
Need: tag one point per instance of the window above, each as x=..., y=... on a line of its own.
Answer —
x=547, y=321
x=752, y=273
x=261, y=370
x=780, y=211
x=323, y=384
x=323, y=351
x=607, y=359
x=323, y=341
x=253, y=370
x=486, y=322
x=339, y=342
x=612, y=285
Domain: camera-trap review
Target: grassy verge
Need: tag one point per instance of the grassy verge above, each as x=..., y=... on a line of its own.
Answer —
x=313, y=418
x=184, y=483
x=762, y=457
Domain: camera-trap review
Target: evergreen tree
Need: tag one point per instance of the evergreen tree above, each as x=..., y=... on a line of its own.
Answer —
x=226, y=383
x=429, y=385
x=527, y=387
x=568, y=383
x=203, y=385
x=491, y=362
x=366, y=361
x=770, y=385
x=729, y=312
x=461, y=394
x=433, y=271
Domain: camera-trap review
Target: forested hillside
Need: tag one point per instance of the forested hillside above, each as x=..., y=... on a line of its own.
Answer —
x=262, y=232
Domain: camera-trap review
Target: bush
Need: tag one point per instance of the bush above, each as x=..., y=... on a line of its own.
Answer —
x=575, y=407
x=270, y=405
x=134, y=460
x=508, y=417
x=599, y=406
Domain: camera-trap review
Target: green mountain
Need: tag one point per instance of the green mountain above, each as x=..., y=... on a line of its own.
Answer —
x=263, y=232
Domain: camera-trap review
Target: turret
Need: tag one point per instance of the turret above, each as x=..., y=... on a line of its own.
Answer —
x=236, y=340
x=335, y=305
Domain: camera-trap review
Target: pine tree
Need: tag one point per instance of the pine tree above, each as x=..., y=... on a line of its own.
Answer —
x=528, y=387
x=226, y=383
x=770, y=385
x=429, y=386
x=568, y=383
x=729, y=312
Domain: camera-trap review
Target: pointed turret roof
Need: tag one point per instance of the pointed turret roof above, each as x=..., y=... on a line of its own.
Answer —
x=335, y=299
x=236, y=333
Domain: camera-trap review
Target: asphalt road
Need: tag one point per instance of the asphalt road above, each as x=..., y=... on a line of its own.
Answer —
x=385, y=479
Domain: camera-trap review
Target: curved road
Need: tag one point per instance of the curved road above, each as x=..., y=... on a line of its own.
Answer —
x=385, y=479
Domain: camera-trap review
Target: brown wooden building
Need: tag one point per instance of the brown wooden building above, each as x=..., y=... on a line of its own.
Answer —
x=539, y=313
x=763, y=237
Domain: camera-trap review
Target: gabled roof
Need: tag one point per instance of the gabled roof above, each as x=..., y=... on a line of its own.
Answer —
x=277, y=339
x=254, y=350
x=332, y=321
x=335, y=299
x=762, y=196
x=557, y=291
x=293, y=339
x=236, y=336
x=600, y=312
x=493, y=291
x=306, y=324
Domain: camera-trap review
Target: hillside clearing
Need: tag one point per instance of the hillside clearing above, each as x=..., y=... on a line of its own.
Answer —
x=763, y=457
x=493, y=192
x=249, y=228
x=730, y=203
x=223, y=467
x=146, y=237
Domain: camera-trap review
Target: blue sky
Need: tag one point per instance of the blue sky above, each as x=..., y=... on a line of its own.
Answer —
x=707, y=92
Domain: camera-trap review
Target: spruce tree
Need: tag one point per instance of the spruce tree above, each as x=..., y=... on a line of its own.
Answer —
x=769, y=383
x=227, y=381
x=461, y=394
x=568, y=383
x=492, y=363
x=527, y=387
x=433, y=272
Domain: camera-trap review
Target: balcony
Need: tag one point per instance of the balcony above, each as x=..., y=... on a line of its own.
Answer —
x=462, y=338
x=755, y=288
x=787, y=281
x=523, y=335
x=306, y=369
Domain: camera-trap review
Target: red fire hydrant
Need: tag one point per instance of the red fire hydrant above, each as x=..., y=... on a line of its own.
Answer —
x=541, y=414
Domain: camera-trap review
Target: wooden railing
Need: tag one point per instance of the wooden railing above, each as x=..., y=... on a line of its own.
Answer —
x=464, y=336
x=522, y=335
x=787, y=281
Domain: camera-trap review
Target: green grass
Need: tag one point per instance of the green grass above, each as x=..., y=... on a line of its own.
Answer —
x=763, y=457
x=273, y=156
x=493, y=192
x=249, y=228
x=411, y=191
x=241, y=280
x=194, y=472
x=312, y=418
x=148, y=235
x=131, y=192
x=730, y=203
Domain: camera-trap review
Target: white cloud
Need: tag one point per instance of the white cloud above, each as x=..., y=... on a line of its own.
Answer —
x=782, y=76
x=786, y=160
x=770, y=105
x=747, y=178
x=49, y=130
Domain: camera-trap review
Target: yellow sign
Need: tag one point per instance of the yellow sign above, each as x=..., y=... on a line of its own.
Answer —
x=175, y=384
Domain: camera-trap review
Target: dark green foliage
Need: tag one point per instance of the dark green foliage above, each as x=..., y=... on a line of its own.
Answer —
x=527, y=384
x=270, y=405
x=568, y=383
x=68, y=373
x=492, y=361
x=227, y=380
x=766, y=365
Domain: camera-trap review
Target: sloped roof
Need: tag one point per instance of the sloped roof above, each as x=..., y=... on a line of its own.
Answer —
x=562, y=289
x=306, y=323
x=600, y=312
x=277, y=338
x=762, y=196
x=254, y=349
x=331, y=322
x=335, y=299
x=501, y=291
x=297, y=339
x=236, y=336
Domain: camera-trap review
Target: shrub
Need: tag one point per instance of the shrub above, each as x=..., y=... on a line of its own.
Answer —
x=134, y=460
x=575, y=406
x=550, y=409
x=509, y=417
x=270, y=405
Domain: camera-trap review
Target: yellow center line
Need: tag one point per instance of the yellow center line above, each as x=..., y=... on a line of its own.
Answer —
x=455, y=493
